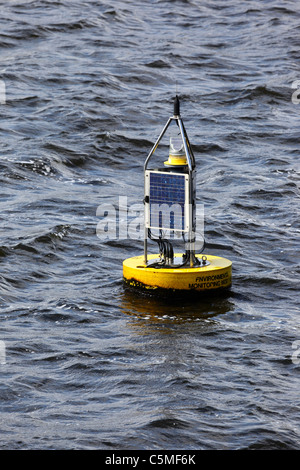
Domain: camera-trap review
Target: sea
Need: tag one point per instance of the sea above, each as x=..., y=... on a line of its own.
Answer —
x=85, y=89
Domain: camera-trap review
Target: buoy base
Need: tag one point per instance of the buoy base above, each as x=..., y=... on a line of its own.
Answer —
x=214, y=276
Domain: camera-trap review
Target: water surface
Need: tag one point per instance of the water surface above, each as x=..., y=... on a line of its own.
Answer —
x=89, y=86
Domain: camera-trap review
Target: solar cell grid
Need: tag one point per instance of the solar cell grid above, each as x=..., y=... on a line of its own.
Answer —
x=167, y=188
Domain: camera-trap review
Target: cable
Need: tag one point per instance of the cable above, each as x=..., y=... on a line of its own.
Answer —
x=165, y=250
x=167, y=254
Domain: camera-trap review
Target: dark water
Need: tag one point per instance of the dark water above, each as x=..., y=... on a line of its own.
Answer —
x=89, y=86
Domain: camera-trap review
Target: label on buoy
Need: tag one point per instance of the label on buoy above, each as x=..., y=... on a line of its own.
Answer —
x=213, y=276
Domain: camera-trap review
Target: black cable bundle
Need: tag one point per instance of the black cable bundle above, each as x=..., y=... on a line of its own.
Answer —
x=167, y=254
x=165, y=249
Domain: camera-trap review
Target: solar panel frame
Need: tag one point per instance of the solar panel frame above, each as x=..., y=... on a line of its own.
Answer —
x=163, y=191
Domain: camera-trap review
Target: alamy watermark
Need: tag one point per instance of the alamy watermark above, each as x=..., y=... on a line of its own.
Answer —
x=2, y=352
x=296, y=353
x=2, y=92
x=122, y=221
x=296, y=94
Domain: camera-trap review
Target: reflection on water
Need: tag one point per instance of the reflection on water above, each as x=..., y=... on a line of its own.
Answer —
x=174, y=310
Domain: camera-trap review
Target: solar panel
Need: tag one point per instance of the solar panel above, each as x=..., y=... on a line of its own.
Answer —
x=168, y=198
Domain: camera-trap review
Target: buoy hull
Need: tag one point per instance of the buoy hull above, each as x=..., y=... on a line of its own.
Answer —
x=214, y=276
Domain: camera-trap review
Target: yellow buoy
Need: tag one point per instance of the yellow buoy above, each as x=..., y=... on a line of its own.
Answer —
x=170, y=216
x=215, y=274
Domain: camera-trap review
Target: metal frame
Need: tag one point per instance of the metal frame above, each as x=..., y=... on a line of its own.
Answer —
x=191, y=166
